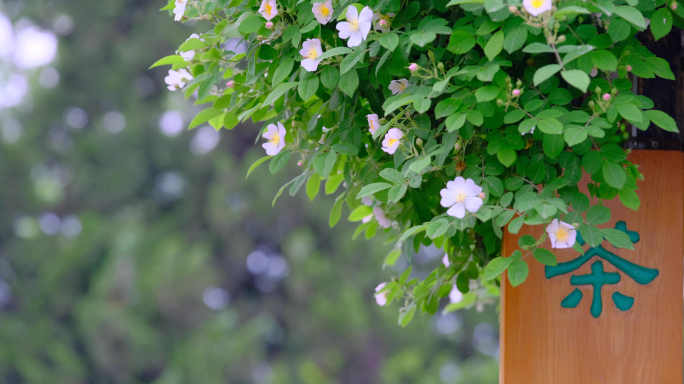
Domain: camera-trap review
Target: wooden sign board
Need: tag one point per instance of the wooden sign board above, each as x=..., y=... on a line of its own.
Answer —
x=637, y=337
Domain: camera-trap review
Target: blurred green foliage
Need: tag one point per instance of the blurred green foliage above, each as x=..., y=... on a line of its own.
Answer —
x=126, y=300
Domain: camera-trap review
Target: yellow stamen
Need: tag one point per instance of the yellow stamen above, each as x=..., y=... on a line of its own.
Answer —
x=391, y=142
x=370, y=122
x=562, y=234
x=401, y=87
x=268, y=9
x=324, y=11
x=460, y=197
x=275, y=139
x=313, y=54
x=537, y=3
x=354, y=24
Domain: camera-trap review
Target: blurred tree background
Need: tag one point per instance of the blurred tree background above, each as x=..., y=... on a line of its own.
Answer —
x=133, y=251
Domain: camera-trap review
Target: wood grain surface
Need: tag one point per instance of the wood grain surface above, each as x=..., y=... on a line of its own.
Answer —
x=543, y=343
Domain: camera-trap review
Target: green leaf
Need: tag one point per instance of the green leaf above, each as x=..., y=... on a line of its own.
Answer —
x=372, y=188
x=169, y=60
x=251, y=24
x=517, y=272
x=191, y=45
x=308, y=87
x=618, y=238
x=515, y=39
x=345, y=149
x=455, y=121
x=494, y=45
x=389, y=40
x=361, y=212
x=336, y=211
x=619, y=30
x=349, y=82
x=662, y=119
x=397, y=192
x=313, y=185
x=334, y=52
x=506, y=156
x=545, y=257
x=575, y=135
x=204, y=116
x=496, y=267
x=661, y=22
x=392, y=175
x=437, y=228
x=410, y=232
x=629, y=198
x=283, y=71
x=330, y=160
x=515, y=224
x=553, y=145
x=545, y=72
x=576, y=78
x=350, y=60
x=279, y=161
x=329, y=77
x=423, y=38
x=538, y=48
x=591, y=235
x=614, y=174
x=256, y=164
x=598, y=214
x=632, y=15
x=570, y=11
x=550, y=126
x=278, y=91
x=487, y=93
x=393, y=256
x=630, y=112
x=604, y=60
x=461, y=42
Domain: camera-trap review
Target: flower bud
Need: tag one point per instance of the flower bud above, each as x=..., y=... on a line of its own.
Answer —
x=513, y=9
x=457, y=146
x=269, y=25
x=413, y=67
x=591, y=104
x=597, y=90
x=440, y=66
x=561, y=39
x=419, y=142
x=518, y=83
x=300, y=163
x=382, y=22
x=606, y=96
x=629, y=68
x=481, y=195
x=500, y=103
x=230, y=84
x=673, y=5
x=516, y=92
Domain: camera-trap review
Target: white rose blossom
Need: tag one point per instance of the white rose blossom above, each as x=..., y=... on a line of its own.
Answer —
x=537, y=7
x=373, y=122
x=562, y=234
x=323, y=11
x=268, y=9
x=276, y=139
x=179, y=10
x=397, y=86
x=357, y=26
x=392, y=140
x=455, y=296
x=188, y=55
x=381, y=218
x=178, y=79
x=461, y=195
x=311, y=49
x=381, y=297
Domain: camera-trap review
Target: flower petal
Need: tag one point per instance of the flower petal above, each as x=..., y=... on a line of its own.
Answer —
x=310, y=65
x=472, y=204
x=471, y=189
x=365, y=28
x=352, y=13
x=448, y=198
x=355, y=39
x=344, y=28
x=457, y=210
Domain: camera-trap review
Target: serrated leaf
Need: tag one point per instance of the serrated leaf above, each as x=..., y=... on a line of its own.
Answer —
x=256, y=164
x=618, y=238
x=518, y=272
x=545, y=257
x=372, y=188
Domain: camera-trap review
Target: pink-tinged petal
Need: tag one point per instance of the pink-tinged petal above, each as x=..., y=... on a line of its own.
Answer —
x=457, y=210
x=457, y=185
x=448, y=198
x=310, y=65
x=553, y=227
x=172, y=88
x=365, y=28
x=345, y=29
x=367, y=218
x=281, y=144
x=271, y=149
x=455, y=296
x=281, y=131
x=352, y=13
x=472, y=204
x=355, y=39
x=381, y=298
x=471, y=189
x=380, y=287
x=366, y=15
x=395, y=133
x=445, y=261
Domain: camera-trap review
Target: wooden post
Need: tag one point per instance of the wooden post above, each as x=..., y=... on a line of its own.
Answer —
x=543, y=342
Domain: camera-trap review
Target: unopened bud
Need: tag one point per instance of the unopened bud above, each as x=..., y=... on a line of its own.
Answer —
x=561, y=39
x=269, y=25
x=481, y=195
x=606, y=96
x=382, y=22
x=673, y=5
x=513, y=9
x=457, y=146
x=419, y=142
x=413, y=67
x=500, y=103
x=300, y=163
x=597, y=90
x=629, y=68
x=518, y=83
x=516, y=92
x=591, y=104
x=230, y=84
x=440, y=66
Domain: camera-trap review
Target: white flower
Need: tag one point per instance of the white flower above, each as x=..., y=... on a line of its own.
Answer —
x=398, y=86
x=461, y=194
x=455, y=296
x=323, y=11
x=562, y=235
x=383, y=25
x=357, y=26
x=190, y=54
x=381, y=297
x=177, y=79
x=276, y=139
x=311, y=49
x=179, y=10
x=445, y=260
x=536, y=7
x=381, y=218
x=391, y=142
x=367, y=201
x=268, y=9
x=373, y=122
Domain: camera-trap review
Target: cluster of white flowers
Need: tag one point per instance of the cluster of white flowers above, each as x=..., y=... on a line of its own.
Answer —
x=178, y=79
